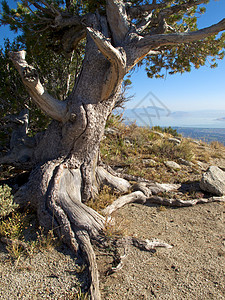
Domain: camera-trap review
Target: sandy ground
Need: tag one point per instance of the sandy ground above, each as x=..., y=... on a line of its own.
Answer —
x=48, y=274
x=193, y=269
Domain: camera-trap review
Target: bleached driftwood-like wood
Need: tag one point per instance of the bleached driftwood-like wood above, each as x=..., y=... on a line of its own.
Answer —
x=167, y=187
x=142, y=186
x=148, y=245
x=123, y=200
x=52, y=107
x=142, y=244
x=116, y=183
x=110, y=52
x=90, y=257
x=183, y=203
x=154, y=188
x=140, y=197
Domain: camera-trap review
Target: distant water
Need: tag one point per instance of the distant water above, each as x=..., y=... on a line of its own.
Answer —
x=204, y=134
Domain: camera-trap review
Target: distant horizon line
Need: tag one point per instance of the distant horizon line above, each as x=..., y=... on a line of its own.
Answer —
x=179, y=110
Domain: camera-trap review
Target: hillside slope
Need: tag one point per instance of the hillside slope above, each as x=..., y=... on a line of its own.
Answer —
x=192, y=269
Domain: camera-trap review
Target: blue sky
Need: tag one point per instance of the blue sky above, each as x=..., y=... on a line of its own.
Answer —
x=200, y=89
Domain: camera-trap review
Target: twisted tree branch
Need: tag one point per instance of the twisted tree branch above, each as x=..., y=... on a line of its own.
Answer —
x=117, y=18
x=140, y=10
x=117, y=58
x=157, y=40
x=52, y=107
x=165, y=13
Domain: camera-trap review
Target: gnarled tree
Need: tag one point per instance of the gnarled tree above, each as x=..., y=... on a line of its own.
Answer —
x=118, y=35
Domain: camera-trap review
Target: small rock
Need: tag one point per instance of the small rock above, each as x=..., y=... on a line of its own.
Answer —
x=203, y=166
x=195, y=142
x=174, y=141
x=149, y=162
x=213, y=181
x=185, y=162
x=118, y=169
x=172, y=165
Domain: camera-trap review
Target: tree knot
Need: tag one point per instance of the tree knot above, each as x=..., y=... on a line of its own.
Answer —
x=73, y=117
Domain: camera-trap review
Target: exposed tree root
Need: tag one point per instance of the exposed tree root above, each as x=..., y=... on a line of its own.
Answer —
x=57, y=192
x=183, y=203
x=117, y=183
x=123, y=200
x=140, y=197
x=127, y=242
x=89, y=253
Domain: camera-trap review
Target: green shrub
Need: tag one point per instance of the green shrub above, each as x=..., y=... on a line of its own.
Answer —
x=6, y=201
x=169, y=130
x=14, y=226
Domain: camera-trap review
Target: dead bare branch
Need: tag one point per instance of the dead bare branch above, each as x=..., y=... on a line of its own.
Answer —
x=51, y=106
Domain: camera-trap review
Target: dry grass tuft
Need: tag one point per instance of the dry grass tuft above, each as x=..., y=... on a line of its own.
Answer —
x=105, y=197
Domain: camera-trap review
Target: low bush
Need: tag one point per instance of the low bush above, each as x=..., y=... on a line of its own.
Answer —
x=6, y=201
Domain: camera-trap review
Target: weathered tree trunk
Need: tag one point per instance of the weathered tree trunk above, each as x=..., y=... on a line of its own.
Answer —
x=66, y=156
x=66, y=160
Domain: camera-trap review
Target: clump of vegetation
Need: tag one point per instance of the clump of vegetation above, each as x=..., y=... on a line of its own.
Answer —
x=217, y=145
x=6, y=201
x=45, y=241
x=13, y=226
x=104, y=198
x=129, y=148
x=78, y=295
x=167, y=150
x=168, y=130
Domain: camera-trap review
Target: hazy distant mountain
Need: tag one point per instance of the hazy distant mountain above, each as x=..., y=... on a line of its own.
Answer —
x=221, y=119
x=154, y=115
x=199, y=113
x=181, y=114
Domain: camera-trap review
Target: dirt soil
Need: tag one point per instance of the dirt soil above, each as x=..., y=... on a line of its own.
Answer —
x=52, y=274
x=193, y=269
